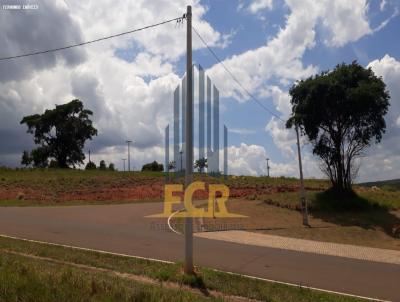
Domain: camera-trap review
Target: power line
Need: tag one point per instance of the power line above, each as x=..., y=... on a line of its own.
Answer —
x=234, y=78
x=89, y=42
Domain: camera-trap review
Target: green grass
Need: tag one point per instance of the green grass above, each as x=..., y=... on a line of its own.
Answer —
x=388, y=185
x=318, y=200
x=367, y=209
x=79, y=284
x=53, y=187
x=70, y=178
x=74, y=177
x=41, y=203
x=24, y=279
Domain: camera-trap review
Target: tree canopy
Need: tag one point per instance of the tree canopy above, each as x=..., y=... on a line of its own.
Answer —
x=200, y=164
x=341, y=112
x=154, y=166
x=61, y=134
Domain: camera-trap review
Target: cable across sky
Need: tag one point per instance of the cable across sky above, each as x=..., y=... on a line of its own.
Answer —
x=140, y=29
x=89, y=42
x=234, y=78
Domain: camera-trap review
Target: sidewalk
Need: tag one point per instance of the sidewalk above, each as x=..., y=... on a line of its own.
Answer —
x=308, y=246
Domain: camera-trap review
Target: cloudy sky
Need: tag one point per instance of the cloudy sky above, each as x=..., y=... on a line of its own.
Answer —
x=128, y=81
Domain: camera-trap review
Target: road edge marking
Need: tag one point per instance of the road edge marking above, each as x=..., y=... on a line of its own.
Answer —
x=169, y=221
x=216, y=270
x=87, y=249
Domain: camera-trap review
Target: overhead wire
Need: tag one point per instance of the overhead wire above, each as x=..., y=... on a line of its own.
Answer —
x=89, y=42
x=179, y=19
x=234, y=77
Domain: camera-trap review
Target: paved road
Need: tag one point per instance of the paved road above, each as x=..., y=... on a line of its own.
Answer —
x=123, y=229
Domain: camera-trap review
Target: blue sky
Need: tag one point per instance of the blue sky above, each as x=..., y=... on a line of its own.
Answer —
x=128, y=82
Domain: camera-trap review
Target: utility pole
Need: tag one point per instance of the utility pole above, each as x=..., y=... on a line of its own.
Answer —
x=267, y=166
x=303, y=201
x=124, y=159
x=129, y=155
x=189, y=140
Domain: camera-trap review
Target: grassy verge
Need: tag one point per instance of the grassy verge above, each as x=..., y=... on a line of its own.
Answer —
x=389, y=200
x=28, y=280
x=25, y=279
x=42, y=203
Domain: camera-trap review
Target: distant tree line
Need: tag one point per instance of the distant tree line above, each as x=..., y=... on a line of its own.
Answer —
x=153, y=166
x=102, y=166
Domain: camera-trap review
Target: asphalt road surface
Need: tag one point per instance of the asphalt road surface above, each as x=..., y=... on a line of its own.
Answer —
x=124, y=229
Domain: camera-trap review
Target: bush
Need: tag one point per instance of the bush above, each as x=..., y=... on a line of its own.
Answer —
x=90, y=166
x=102, y=165
x=154, y=166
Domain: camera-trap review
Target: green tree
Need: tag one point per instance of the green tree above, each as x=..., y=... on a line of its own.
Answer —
x=111, y=167
x=102, y=165
x=26, y=159
x=61, y=133
x=342, y=113
x=40, y=157
x=90, y=166
x=154, y=166
x=200, y=164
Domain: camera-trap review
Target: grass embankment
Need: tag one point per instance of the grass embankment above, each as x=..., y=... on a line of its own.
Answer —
x=365, y=199
x=388, y=185
x=54, y=187
x=39, y=272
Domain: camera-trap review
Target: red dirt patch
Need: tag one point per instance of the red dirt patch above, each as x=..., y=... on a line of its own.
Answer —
x=121, y=190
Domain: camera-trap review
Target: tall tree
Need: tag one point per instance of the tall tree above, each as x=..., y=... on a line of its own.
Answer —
x=61, y=133
x=341, y=112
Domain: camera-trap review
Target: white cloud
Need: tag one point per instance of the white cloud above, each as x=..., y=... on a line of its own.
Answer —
x=246, y=160
x=346, y=20
x=256, y=5
x=283, y=138
x=107, y=17
x=280, y=98
x=241, y=131
x=382, y=5
x=386, y=154
x=147, y=65
x=389, y=69
x=251, y=160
